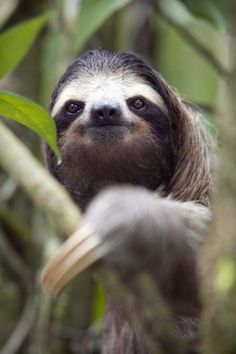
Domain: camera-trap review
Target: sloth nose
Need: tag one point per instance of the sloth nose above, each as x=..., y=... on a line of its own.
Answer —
x=105, y=115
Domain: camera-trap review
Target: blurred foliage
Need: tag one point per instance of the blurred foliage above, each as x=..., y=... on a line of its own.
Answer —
x=75, y=319
x=210, y=10
x=99, y=11
x=178, y=58
x=15, y=42
x=226, y=276
x=30, y=114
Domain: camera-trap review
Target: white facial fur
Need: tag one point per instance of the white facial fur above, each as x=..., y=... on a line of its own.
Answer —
x=112, y=89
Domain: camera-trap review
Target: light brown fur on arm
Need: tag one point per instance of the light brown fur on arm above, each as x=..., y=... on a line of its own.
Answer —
x=143, y=231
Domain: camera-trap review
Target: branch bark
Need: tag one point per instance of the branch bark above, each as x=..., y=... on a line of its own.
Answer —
x=40, y=341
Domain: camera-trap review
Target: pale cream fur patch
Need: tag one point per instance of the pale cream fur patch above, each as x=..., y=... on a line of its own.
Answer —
x=111, y=88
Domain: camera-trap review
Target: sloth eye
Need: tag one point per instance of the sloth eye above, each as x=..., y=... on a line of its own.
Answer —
x=73, y=107
x=138, y=103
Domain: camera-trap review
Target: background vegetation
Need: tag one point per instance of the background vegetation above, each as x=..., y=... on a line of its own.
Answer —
x=187, y=42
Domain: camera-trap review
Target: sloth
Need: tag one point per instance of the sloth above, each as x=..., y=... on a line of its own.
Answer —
x=138, y=161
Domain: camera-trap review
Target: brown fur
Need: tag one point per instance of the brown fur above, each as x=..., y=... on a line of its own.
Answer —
x=88, y=168
x=193, y=177
x=172, y=156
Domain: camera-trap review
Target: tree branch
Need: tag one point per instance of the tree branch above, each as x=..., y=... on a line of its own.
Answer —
x=41, y=334
x=42, y=188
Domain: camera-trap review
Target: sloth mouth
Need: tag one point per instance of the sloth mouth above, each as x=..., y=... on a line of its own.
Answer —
x=108, y=124
x=107, y=132
x=108, y=127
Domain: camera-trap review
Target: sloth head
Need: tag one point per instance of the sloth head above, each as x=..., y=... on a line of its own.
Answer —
x=118, y=121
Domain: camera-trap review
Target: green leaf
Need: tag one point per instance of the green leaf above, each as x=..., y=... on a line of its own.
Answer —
x=99, y=304
x=226, y=276
x=93, y=14
x=15, y=42
x=30, y=114
x=210, y=10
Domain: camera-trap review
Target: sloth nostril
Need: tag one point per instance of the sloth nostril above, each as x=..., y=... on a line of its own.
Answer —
x=100, y=113
x=105, y=114
x=112, y=112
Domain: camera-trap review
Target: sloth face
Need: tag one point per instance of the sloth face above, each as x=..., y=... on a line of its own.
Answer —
x=112, y=124
x=106, y=108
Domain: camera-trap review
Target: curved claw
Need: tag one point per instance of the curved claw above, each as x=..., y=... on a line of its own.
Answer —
x=76, y=254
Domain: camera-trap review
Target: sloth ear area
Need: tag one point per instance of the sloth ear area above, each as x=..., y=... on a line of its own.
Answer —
x=163, y=89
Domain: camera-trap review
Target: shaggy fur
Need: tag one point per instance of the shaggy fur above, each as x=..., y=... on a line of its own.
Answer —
x=156, y=222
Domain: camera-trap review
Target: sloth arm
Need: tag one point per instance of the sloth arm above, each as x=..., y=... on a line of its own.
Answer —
x=143, y=231
x=137, y=230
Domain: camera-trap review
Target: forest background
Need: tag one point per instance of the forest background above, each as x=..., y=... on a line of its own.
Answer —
x=191, y=43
